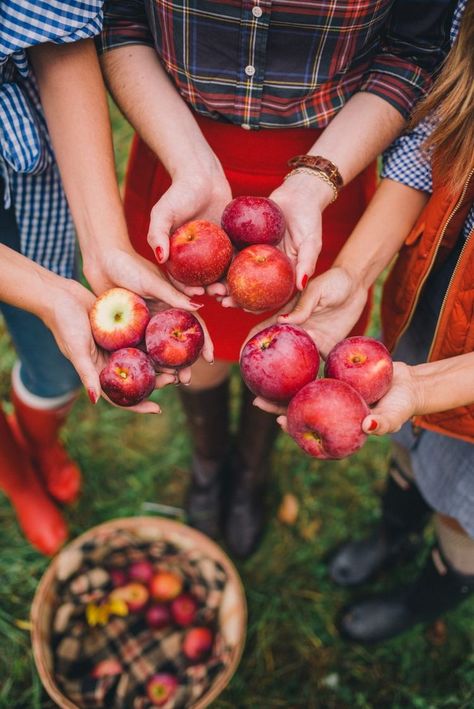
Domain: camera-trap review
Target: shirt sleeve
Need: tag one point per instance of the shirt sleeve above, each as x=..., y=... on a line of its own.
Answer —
x=407, y=161
x=415, y=42
x=125, y=22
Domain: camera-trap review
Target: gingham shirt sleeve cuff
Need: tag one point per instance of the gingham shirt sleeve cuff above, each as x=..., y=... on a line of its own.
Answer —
x=125, y=23
x=407, y=162
x=397, y=81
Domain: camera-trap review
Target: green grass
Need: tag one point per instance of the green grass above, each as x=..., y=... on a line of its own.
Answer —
x=293, y=656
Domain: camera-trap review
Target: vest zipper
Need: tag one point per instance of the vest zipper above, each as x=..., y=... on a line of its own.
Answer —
x=420, y=288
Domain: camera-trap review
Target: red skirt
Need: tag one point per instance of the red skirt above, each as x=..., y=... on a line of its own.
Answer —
x=254, y=163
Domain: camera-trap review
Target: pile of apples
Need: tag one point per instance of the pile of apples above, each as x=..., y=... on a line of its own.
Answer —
x=260, y=277
x=160, y=596
x=324, y=416
x=121, y=323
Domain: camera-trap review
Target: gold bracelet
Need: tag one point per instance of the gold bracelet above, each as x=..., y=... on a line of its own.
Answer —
x=317, y=173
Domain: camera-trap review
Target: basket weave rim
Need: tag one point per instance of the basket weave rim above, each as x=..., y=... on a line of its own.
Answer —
x=166, y=526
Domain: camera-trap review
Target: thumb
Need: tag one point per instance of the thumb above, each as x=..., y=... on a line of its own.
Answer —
x=159, y=288
x=161, y=223
x=379, y=425
x=305, y=305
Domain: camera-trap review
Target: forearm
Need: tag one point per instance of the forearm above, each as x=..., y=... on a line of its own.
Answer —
x=152, y=104
x=74, y=101
x=381, y=231
x=445, y=384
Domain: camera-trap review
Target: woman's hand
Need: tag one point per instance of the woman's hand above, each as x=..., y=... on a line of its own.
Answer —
x=68, y=320
x=400, y=403
x=329, y=308
x=190, y=197
x=303, y=198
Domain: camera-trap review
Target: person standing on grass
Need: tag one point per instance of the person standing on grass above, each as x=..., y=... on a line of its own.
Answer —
x=222, y=95
x=428, y=299
x=52, y=96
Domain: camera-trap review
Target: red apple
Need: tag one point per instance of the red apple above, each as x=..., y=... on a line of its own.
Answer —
x=278, y=361
x=128, y=377
x=364, y=363
x=174, y=338
x=141, y=571
x=134, y=594
x=118, y=319
x=253, y=220
x=197, y=643
x=161, y=687
x=166, y=586
x=118, y=577
x=200, y=253
x=325, y=419
x=261, y=278
x=107, y=668
x=158, y=616
x=184, y=609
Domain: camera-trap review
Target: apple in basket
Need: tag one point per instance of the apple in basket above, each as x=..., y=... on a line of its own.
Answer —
x=107, y=668
x=161, y=687
x=134, y=594
x=197, y=643
x=183, y=609
x=141, y=571
x=118, y=577
x=158, y=616
x=165, y=586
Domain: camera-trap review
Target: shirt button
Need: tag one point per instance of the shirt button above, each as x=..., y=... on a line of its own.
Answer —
x=245, y=126
x=257, y=11
x=250, y=70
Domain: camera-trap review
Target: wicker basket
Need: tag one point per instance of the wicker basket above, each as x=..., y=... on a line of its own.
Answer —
x=232, y=614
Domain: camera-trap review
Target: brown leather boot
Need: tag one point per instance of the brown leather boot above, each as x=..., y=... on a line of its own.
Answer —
x=250, y=467
x=207, y=413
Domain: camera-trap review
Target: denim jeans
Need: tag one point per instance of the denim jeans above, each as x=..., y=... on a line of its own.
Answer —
x=44, y=370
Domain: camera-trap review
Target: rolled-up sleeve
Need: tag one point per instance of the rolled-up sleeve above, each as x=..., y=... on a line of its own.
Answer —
x=407, y=161
x=415, y=43
x=125, y=22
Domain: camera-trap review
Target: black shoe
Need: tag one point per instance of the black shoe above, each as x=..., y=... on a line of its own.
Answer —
x=203, y=502
x=398, y=536
x=385, y=616
x=245, y=508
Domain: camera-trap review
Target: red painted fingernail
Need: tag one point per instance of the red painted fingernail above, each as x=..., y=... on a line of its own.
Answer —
x=304, y=281
x=285, y=315
x=196, y=305
x=159, y=254
x=373, y=425
x=93, y=396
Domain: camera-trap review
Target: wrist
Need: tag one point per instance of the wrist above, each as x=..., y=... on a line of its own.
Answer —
x=309, y=185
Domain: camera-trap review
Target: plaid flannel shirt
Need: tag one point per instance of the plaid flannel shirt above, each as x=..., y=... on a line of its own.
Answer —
x=268, y=64
x=27, y=165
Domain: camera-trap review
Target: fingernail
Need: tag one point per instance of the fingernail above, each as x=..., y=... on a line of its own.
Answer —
x=373, y=425
x=93, y=396
x=196, y=305
x=285, y=315
x=304, y=281
x=211, y=362
x=159, y=254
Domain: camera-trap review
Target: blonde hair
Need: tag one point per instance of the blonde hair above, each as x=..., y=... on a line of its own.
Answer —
x=451, y=101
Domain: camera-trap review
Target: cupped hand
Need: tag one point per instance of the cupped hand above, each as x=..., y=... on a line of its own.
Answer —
x=399, y=404
x=303, y=198
x=190, y=197
x=68, y=320
x=329, y=308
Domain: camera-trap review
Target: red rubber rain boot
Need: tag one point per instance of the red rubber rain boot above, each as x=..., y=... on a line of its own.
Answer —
x=40, y=520
x=38, y=428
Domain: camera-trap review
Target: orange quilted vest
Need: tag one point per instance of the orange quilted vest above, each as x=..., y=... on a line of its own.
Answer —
x=431, y=239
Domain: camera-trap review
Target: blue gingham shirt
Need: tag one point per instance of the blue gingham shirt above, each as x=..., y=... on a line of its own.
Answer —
x=406, y=161
x=27, y=165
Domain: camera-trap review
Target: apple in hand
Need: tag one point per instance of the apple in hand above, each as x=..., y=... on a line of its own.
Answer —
x=278, y=361
x=161, y=687
x=184, y=609
x=260, y=278
x=253, y=220
x=197, y=643
x=128, y=377
x=141, y=571
x=118, y=319
x=325, y=419
x=200, y=253
x=158, y=616
x=364, y=363
x=174, y=338
x=166, y=586
x=134, y=594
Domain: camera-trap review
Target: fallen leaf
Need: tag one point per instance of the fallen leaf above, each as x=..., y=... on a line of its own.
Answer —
x=288, y=510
